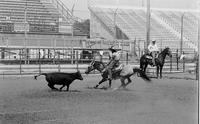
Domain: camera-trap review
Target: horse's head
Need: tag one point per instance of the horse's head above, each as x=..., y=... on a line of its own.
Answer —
x=168, y=51
x=90, y=67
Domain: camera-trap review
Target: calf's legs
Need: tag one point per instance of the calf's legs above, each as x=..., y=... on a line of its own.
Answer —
x=52, y=86
x=62, y=87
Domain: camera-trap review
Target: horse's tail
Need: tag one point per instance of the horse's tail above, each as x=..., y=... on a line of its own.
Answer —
x=142, y=74
x=35, y=77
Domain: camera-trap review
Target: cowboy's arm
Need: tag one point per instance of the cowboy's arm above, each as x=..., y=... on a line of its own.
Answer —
x=156, y=48
x=150, y=48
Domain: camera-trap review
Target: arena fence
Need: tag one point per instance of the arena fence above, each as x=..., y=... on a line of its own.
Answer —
x=72, y=59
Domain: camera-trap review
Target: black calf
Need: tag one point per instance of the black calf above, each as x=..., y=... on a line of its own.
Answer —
x=60, y=78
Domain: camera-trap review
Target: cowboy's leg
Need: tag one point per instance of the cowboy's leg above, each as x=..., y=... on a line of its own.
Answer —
x=153, y=59
x=109, y=73
x=110, y=69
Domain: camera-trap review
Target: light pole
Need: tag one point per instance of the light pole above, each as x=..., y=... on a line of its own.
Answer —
x=115, y=27
x=181, y=42
x=25, y=33
x=148, y=16
x=115, y=18
x=198, y=43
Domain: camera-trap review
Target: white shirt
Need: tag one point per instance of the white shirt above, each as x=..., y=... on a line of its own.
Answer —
x=153, y=48
x=116, y=55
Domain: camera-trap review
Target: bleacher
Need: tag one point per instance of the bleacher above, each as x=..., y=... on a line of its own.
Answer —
x=41, y=17
x=165, y=25
x=34, y=23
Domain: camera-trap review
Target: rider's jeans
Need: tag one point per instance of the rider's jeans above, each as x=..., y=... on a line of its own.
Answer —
x=153, y=54
x=110, y=67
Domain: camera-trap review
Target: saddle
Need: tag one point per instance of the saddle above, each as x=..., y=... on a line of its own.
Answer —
x=149, y=57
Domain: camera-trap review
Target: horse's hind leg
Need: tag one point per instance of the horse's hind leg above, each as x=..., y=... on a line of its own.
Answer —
x=123, y=85
x=102, y=80
x=129, y=81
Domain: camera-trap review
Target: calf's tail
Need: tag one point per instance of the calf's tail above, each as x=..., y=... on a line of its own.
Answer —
x=35, y=77
x=142, y=74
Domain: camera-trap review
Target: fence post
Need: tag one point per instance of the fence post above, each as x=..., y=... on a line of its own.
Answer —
x=183, y=63
x=197, y=66
x=170, y=64
x=77, y=60
x=39, y=63
x=72, y=55
x=177, y=59
x=126, y=57
x=20, y=62
x=58, y=62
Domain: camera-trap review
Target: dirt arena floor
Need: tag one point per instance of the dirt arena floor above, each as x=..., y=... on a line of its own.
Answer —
x=163, y=101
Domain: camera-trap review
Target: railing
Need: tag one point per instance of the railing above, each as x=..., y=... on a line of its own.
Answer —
x=72, y=60
x=64, y=11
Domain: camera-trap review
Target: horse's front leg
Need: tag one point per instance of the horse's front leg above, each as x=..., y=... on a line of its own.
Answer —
x=110, y=82
x=102, y=80
x=145, y=67
x=161, y=71
x=157, y=71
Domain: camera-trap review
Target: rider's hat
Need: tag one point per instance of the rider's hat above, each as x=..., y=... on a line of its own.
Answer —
x=153, y=41
x=112, y=49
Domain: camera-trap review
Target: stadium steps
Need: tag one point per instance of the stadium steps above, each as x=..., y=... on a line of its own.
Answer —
x=171, y=29
x=102, y=19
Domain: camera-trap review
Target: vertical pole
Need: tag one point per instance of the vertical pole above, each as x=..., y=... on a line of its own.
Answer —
x=134, y=47
x=72, y=55
x=20, y=61
x=197, y=66
x=25, y=32
x=170, y=64
x=139, y=48
x=198, y=56
x=39, y=62
x=177, y=59
x=183, y=63
x=77, y=60
x=115, y=27
x=58, y=61
x=148, y=16
x=130, y=46
x=181, y=43
x=127, y=58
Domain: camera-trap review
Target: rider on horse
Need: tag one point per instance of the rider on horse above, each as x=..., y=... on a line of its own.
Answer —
x=153, y=49
x=114, y=61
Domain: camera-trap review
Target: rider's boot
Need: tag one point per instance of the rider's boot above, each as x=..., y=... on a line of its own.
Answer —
x=153, y=60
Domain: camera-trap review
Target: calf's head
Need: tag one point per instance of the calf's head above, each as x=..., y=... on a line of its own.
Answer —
x=79, y=76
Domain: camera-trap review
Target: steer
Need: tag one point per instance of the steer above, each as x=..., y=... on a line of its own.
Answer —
x=60, y=78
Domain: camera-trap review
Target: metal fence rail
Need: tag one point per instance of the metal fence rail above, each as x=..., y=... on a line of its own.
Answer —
x=70, y=60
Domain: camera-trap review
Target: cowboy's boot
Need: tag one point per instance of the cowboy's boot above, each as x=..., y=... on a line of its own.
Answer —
x=153, y=60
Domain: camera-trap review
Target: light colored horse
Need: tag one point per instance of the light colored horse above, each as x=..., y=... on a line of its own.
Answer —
x=125, y=73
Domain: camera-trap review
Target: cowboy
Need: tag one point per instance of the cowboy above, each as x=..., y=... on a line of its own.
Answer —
x=114, y=61
x=153, y=49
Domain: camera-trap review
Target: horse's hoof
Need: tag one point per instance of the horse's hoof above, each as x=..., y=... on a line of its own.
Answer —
x=95, y=87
